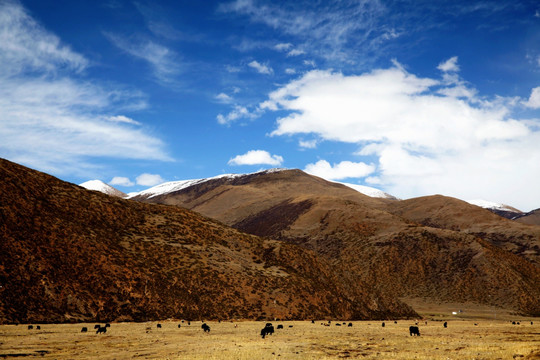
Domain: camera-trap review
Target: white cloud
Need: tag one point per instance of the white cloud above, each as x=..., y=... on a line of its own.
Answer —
x=121, y=181
x=290, y=71
x=295, y=52
x=149, y=179
x=283, y=46
x=310, y=63
x=224, y=98
x=449, y=65
x=238, y=112
x=422, y=139
x=534, y=99
x=232, y=69
x=342, y=170
x=308, y=144
x=164, y=62
x=122, y=119
x=49, y=118
x=261, y=68
x=256, y=157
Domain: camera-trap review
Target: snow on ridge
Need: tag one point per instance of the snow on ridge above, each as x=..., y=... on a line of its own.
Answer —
x=369, y=191
x=491, y=205
x=100, y=186
x=172, y=186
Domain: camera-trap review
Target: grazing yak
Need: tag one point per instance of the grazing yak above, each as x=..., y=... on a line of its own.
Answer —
x=101, y=330
x=350, y=325
x=413, y=330
x=383, y=324
x=84, y=329
x=267, y=330
x=159, y=326
x=445, y=324
x=205, y=327
x=280, y=326
x=30, y=327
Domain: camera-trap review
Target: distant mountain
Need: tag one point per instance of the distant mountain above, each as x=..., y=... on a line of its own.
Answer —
x=435, y=247
x=531, y=218
x=100, y=186
x=503, y=210
x=69, y=255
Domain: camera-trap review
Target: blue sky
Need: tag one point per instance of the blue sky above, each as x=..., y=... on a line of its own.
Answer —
x=411, y=97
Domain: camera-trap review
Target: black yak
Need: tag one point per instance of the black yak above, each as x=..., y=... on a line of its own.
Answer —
x=205, y=327
x=413, y=330
x=267, y=330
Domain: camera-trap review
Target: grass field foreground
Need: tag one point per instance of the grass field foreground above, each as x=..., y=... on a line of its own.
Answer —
x=298, y=340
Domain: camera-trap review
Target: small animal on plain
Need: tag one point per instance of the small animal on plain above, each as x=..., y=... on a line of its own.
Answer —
x=30, y=327
x=476, y=324
x=179, y=326
x=84, y=329
x=445, y=324
x=350, y=325
x=513, y=323
x=97, y=326
x=313, y=321
x=280, y=326
x=395, y=322
x=267, y=330
x=338, y=324
x=107, y=325
x=159, y=326
x=205, y=327
x=290, y=326
x=38, y=327
x=413, y=330
x=101, y=330
x=383, y=324
x=531, y=323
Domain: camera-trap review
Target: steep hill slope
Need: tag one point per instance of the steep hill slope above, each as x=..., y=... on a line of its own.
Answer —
x=378, y=240
x=69, y=254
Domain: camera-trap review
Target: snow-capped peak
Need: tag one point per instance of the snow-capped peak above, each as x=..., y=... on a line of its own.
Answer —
x=172, y=186
x=492, y=205
x=100, y=186
x=369, y=191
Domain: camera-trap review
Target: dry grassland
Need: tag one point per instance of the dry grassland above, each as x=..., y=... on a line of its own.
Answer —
x=304, y=340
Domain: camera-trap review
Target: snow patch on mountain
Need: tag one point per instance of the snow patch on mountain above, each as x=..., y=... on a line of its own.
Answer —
x=369, y=191
x=492, y=205
x=100, y=186
x=172, y=186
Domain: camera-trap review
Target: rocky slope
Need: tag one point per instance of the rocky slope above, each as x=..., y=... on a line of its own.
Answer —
x=69, y=254
x=434, y=247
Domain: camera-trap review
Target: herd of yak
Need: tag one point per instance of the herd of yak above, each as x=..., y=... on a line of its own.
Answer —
x=267, y=330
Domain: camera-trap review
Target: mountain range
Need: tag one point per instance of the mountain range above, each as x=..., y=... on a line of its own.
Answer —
x=69, y=254
x=433, y=247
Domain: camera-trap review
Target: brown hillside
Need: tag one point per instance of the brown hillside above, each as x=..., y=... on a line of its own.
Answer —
x=453, y=214
x=531, y=218
x=69, y=254
x=380, y=241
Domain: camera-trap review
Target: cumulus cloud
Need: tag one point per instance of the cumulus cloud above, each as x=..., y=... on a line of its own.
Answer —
x=224, y=98
x=342, y=170
x=534, y=99
x=261, y=68
x=449, y=65
x=149, y=179
x=256, y=157
x=308, y=144
x=121, y=181
x=421, y=139
x=52, y=120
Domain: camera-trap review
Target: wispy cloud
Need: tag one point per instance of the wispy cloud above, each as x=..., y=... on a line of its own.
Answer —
x=238, y=112
x=261, y=68
x=257, y=157
x=164, y=62
x=52, y=120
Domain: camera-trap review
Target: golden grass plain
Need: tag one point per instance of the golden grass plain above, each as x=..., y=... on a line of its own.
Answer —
x=489, y=339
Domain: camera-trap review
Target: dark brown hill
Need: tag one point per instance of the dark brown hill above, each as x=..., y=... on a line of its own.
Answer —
x=69, y=254
x=456, y=255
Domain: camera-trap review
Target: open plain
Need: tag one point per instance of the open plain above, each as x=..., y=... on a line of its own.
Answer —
x=462, y=339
